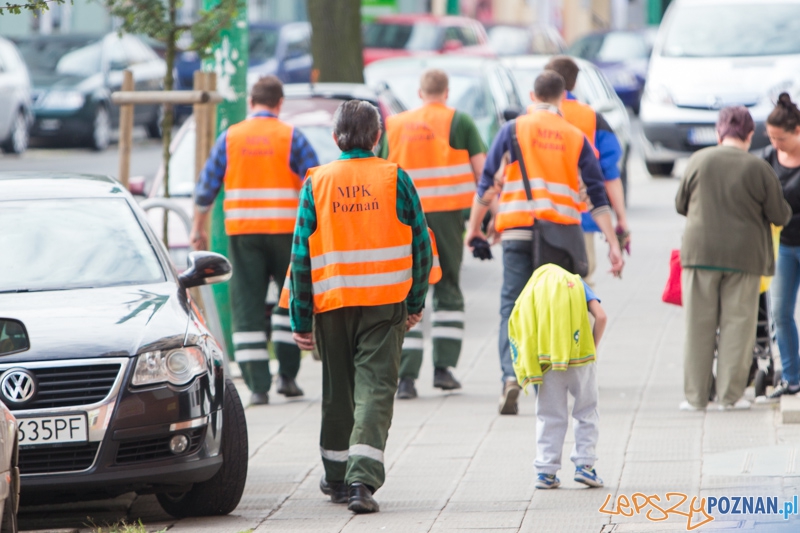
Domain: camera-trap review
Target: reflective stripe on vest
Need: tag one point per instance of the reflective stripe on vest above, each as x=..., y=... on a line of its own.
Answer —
x=261, y=191
x=286, y=290
x=360, y=252
x=551, y=149
x=436, y=270
x=419, y=141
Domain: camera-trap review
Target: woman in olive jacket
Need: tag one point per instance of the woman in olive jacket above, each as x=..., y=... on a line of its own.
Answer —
x=729, y=198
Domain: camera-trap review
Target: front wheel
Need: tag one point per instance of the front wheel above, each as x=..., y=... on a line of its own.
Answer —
x=17, y=141
x=101, y=130
x=221, y=494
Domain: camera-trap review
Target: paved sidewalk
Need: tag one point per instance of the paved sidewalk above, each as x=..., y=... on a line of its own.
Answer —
x=454, y=464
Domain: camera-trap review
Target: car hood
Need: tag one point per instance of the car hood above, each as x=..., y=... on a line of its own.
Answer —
x=697, y=82
x=86, y=323
x=46, y=81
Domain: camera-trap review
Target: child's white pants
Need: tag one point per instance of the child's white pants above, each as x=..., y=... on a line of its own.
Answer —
x=552, y=417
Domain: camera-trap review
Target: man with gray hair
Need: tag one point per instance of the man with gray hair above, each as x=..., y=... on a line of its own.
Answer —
x=361, y=257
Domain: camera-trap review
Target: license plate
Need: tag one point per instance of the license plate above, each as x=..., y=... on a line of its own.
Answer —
x=49, y=124
x=52, y=429
x=702, y=136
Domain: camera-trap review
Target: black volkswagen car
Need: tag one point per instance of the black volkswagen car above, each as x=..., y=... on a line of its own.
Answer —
x=120, y=386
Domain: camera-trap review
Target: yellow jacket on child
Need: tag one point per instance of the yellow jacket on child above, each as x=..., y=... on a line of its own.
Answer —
x=549, y=327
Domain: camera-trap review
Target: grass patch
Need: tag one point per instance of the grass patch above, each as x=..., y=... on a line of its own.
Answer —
x=123, y=527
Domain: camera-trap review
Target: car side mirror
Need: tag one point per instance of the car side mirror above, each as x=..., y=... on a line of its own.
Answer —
x=136, y=185
x=511, y=113
x=205, y=268
x=13, y=337
x=451, y=45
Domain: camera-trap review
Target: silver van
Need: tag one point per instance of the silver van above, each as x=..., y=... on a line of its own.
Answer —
x=710, y=54
x=15, y=100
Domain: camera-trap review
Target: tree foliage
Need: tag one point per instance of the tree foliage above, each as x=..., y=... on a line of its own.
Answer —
x=34, y=5
x=336, y=40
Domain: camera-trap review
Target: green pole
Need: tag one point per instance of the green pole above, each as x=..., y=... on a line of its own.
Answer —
x=229, y=60
x=453, y=7
x=655, y=11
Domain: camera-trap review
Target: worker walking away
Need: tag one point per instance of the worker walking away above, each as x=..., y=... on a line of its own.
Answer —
x=540, y=183
x=608, y=152
x=260, y=161
x=443, y=152
x=360, y=264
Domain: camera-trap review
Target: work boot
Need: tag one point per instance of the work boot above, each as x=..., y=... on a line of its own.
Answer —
x=360, y=500
x=288, y=387
x=508, y=401
x=443, y=379
x=259, y=398
x=406, y=389
x=337, y=490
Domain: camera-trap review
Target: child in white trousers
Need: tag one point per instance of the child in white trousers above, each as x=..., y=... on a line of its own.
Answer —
x=552, y=414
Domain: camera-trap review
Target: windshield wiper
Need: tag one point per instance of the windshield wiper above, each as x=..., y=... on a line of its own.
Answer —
x=7, y=291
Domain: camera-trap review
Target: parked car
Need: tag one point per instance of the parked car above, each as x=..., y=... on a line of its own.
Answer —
x=623, y=56
x=309, y=108
x=414, y=35
x=592, y=88
x=710, y=54
x=73, y=77
x=16, y=105
x=480, y=87
x=122, y=387
x=279, y=49
x=515, y=40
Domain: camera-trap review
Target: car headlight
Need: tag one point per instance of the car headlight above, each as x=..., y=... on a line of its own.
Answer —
x=66, y=100
x=658, y=94
x=174, y=366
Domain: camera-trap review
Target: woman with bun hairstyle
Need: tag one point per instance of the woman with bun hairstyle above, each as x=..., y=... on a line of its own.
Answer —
x=783, y=129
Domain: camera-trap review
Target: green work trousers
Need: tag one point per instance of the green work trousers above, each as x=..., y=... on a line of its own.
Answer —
x=448, y=302
x=360, y=352
x=728, y=301
x=256, y=259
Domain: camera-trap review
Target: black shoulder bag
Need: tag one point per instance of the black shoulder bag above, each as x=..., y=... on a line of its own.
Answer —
x=559, y=244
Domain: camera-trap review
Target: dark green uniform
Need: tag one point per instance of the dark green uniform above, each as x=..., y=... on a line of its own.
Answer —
x=448, y=301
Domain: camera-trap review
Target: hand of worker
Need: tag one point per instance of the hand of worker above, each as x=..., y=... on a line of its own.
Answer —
x=412, y=320
x=199, y=238
x=305, y=341
x=624, y=237
x=615, y=256
x=471, y=235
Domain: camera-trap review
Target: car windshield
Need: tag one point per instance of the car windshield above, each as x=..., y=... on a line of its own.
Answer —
x=77, y=57
x=263, y=44
x=720, y=30
x=610, y=47
x=419, y=36
x=468, y=93
x=73, y=243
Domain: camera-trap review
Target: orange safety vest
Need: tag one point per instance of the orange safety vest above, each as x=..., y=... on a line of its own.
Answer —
x=261, y=190
x=551, y=149
x=581, y=116
x=360, y=252
x=419, y=141
x=433, y=278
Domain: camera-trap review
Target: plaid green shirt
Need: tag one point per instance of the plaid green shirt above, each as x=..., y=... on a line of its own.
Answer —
x=409, y=211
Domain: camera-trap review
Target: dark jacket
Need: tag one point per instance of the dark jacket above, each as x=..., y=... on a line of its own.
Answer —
x=790, y=182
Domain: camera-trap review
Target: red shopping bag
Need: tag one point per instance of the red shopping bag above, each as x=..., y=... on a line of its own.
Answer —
x=672, y=292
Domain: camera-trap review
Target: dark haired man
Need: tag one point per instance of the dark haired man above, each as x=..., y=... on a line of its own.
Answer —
x=553, y=151
x=607, y=149
x=261, y=163
x=360, y=264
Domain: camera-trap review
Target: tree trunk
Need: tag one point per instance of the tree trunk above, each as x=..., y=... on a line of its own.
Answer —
x=336, y=40
x=166, y=124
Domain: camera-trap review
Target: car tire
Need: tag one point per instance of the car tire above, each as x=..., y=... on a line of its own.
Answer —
x=221, y=494
x=658, y=169
x=18, y=138
x=153, y=127
x=101, y=129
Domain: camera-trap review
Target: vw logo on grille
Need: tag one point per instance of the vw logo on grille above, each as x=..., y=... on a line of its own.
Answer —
x=17, y=386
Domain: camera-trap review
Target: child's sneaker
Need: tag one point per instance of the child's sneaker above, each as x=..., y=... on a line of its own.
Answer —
x=547, y=481
x=587, y=476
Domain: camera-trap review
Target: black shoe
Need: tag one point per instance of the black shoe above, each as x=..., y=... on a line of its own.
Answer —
x=443, y=379
x=406, y=389
x=259, y=398
x=360, y=500
x=782, y=389
x=288, y=387
x=337, y=490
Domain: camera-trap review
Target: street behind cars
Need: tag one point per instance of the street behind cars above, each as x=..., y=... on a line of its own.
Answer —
x=73, y=77
x=711, y=54
x=122, y=387
x=480, y=87
x=16, y=106
x=592, y=88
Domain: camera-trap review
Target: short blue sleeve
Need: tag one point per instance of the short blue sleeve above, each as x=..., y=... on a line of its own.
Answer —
x=590, y=295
